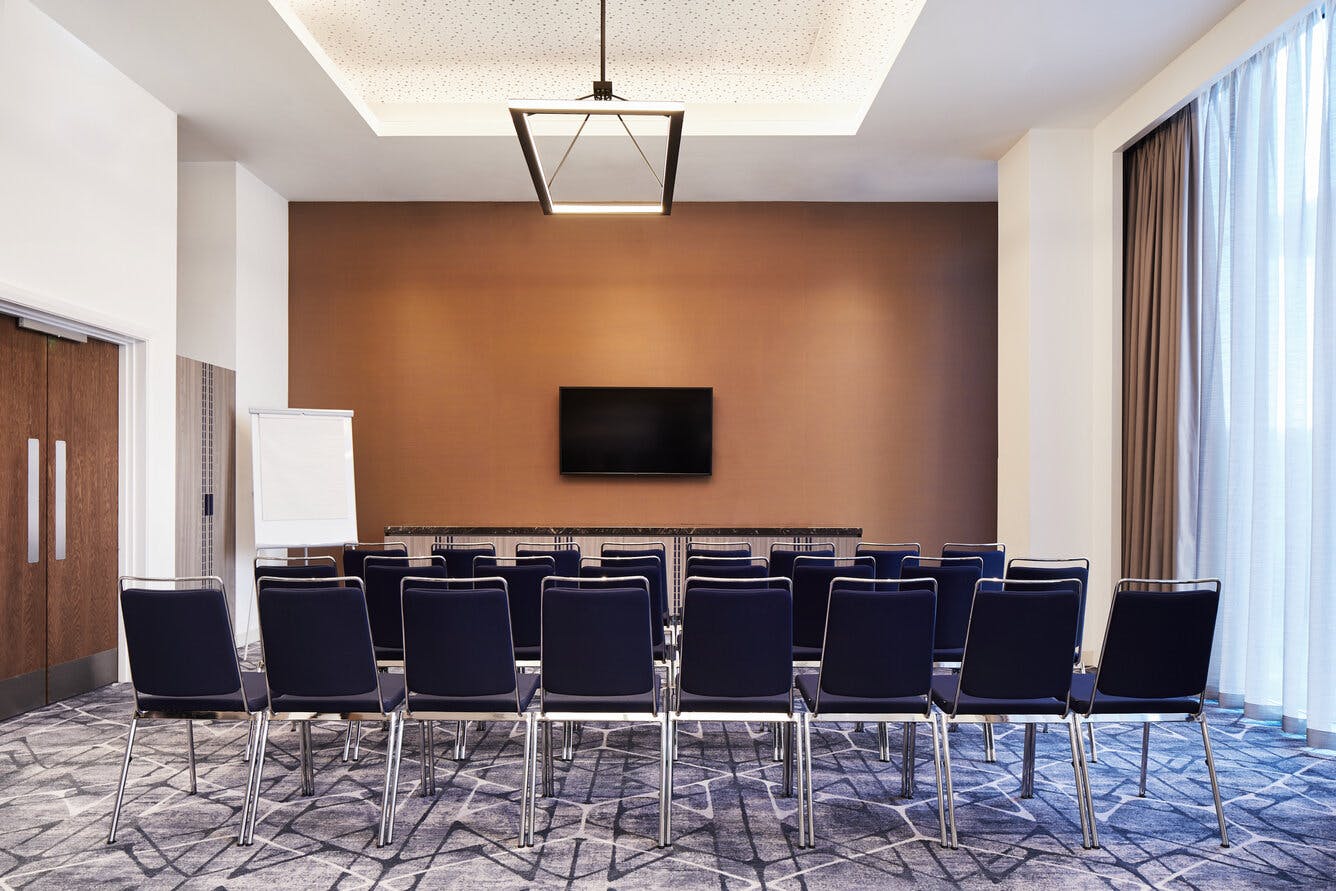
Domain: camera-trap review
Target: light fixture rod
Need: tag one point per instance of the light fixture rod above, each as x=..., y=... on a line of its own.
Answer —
x=567, y=154
x=636, y=143
x=602, y=39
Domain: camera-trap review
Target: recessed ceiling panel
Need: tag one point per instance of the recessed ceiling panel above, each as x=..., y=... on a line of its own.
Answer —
x=448, y=67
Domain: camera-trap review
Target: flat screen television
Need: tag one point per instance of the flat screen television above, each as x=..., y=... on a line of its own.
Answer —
x=637, y=431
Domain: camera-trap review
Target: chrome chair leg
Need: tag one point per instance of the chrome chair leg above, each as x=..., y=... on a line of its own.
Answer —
x=526, y=788
x=394, y=784
x=125, y=774
x=1215, y=784
x=246, y=752
x=348, y=742
x=1094, y=753
x=807, y=771
x=356, y=731
x=431, y=757
x=252, y=728
x=907, y=760
x=461, y=740
x=262, y=743
x=389, y=774
x=547, y=760
x=190, y=755
x=883, y=742
x=912, y=758
x=950, y=788
x=989, y=748
x=1145, y=756
x=788, y=758
x=665, y=781
x=800, y=756
x=858, y=727
x=1078, y=772
x=568, y=741
x=778, y=741
x=937, y=775
x=1027, y=762
x=426, y=759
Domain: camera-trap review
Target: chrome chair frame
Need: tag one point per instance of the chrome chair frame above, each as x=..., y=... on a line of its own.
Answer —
x=910, y=720
x=393, y=742
x=1148, y=718
x=255, y=720
x=426, y=720
x=407, y=560
x=1030, y=722
x=717, y=546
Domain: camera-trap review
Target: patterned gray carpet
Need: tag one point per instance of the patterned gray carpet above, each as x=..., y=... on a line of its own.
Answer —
x=58, y=768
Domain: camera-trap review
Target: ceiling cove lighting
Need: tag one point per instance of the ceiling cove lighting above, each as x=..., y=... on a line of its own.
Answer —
x=602, y=103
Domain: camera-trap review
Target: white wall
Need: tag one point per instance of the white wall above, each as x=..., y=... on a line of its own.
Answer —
x=234, y=313
x=262, y=351
x=88, y=233
x=1044, y=188
x=206, y=273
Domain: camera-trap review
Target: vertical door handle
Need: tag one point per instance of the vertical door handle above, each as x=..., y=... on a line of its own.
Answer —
x=34, y=500
x=59, y=506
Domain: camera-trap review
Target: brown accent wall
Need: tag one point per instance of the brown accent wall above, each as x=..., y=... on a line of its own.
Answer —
x=852, y=349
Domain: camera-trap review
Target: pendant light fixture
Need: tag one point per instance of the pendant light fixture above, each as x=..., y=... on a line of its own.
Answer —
x=602, y=102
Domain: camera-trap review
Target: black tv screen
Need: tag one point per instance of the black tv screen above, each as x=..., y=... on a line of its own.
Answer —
x=637, y=430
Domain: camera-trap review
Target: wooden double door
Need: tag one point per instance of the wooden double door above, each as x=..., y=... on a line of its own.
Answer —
x=59, y=469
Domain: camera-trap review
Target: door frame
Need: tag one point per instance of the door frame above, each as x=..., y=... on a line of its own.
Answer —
x=134, y=342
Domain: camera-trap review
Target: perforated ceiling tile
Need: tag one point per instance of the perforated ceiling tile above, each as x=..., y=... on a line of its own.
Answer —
x=443, y=67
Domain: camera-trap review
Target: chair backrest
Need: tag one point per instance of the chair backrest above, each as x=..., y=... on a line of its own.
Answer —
x=566, y=554
x=735, y=641
x=1018, y=638
x=457, y=642
x=316, y=640
x=355, y=554
x=598, y=577
x=956, y=578
x=728, y=567
x=783, y=553
x=718, y=549
x=1040, y=569
x=888, y=555
x=879, y=638
x=739, y=581
x=524, y=586
x=993, y=553
x=654, y=564
x=647, y=566
x=459, y=556
x=597, y=641
x=1158, y=641
x=811, y=592
x=179, y=639
x=277, y=570
x=384, y=582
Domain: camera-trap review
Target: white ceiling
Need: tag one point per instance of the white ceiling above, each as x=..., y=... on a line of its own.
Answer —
x=971, y=78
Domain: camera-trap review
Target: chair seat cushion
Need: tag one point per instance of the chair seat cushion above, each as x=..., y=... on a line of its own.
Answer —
x=525, y=684
x=806, y=654
x=391, y=693
x=647, y=702
x=251, y=697
x=835, y=704
x=528, y=654
x=779, y=704
x=1084, y=684
x=944, y=694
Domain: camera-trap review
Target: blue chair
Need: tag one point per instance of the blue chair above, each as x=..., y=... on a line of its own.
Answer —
x=384, y=577
x=654, y=557
x=459, y=555
x=1041, y=568
x=279, y=569
x=727, y=567
x=184, y=667
x=956, y=579
x=783, y=553
x=1152, y=668
x=355, y=554
x=812, y=577
x=598, y=665
x=459, y=665
x=737, y=666
x=718, y=549
x=645, y=566
x=320, y=665
x=888, y=556
x=565, y=554
x=876, y=665
x=993, y=554
x=1016, y=668
x=524, y=586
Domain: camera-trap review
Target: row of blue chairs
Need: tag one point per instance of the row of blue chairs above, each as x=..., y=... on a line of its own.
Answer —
x=598, y=660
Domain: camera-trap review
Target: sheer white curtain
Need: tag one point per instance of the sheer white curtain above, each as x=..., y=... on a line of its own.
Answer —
x=1258, y=436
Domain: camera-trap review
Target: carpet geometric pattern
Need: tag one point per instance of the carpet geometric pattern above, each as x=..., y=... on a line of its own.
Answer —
x=732, y=827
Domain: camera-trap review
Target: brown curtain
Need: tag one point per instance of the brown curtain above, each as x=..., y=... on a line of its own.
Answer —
x=1156, y=196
